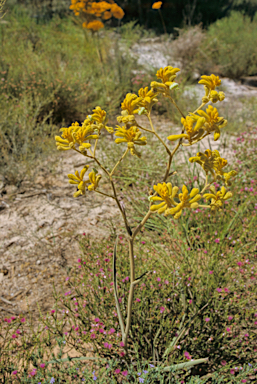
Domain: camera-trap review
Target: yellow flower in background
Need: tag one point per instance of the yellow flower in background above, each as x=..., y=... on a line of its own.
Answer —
x=131, y=104
x=94, y=25
x=132, y=137
x=78, y=179
x=117, y=11
x=94, y=180
x=166, y=196
x=213, y=122
x=157, y=5
x=217, y=198
x=186, y=201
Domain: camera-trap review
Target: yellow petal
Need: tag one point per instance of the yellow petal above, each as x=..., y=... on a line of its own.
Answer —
x=176, y=137
x=156, y=207
x=194, y=192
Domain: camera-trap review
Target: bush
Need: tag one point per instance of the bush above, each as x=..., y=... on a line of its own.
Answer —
x=230, y=47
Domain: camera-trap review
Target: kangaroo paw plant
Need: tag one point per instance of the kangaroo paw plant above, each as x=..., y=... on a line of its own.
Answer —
x=166, y=199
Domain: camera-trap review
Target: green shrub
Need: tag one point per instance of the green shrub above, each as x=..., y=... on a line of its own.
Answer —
x=230, y=47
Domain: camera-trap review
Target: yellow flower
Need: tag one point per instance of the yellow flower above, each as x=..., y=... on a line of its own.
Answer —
x=211, y=162
x=78, y=179
x=95, y=25
x=157, y=5
x=99, y=119
x=186, y=201
x=117, y=11
x=217, y=198
x=68, y=137
x=94, y=180
x=130, y=136
x=166, y=196
x=211, y=81
x=148, y=98
x=84, y=133
x=128, y=120
x=131, y=103
x=167, y=75
x=213, y=122
x=193, y=134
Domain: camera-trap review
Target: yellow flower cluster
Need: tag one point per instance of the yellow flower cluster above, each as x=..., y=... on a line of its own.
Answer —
x=211, y=162
x=93, y=178
x=76, y=134
x=168, y=205
x=196, y=126
x=92, y=11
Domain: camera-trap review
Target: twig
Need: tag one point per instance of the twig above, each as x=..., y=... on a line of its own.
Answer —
x=6, y=301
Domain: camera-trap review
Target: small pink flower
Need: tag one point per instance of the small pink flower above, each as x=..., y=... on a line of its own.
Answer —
x=138, y=300
x=111, y=331
x=189, y=278
x=14, y=372
x=207, y=319
x=226, y=290
x=18, y=332
x=106, y=345
x=246, y=335
x=83, y=234
x=22, y=320
x=162, y=309
x=117, y=371
x=124, y=373
x=79, y=260
x=205, y=251
x=33, y=372
x=217, y=241
x=190, y=301
x=239, y=263
x=97, y=320
x=93, y=336
x=14, y=336
x=187, y=355
x=101, y=330
x=127, y=278
x=230, y=317
x=53, y=311
x=244, y=381
x=122, y=344
x=42, y=365
x=219, y=290
x=159, y=279
x=232, y=371
x=122, y=354
x=107, y=260
x=210, y=272
x=228, y=329
x=143, y=242
x=223, y=362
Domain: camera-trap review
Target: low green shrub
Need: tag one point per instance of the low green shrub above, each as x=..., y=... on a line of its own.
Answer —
x=230, y=47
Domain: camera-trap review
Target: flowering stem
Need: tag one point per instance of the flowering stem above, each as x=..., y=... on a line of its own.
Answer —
x=131, y=291
x=105, y=194
x=95, y=147
x=122, y=157
x=175, y=104
x=163, y=24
